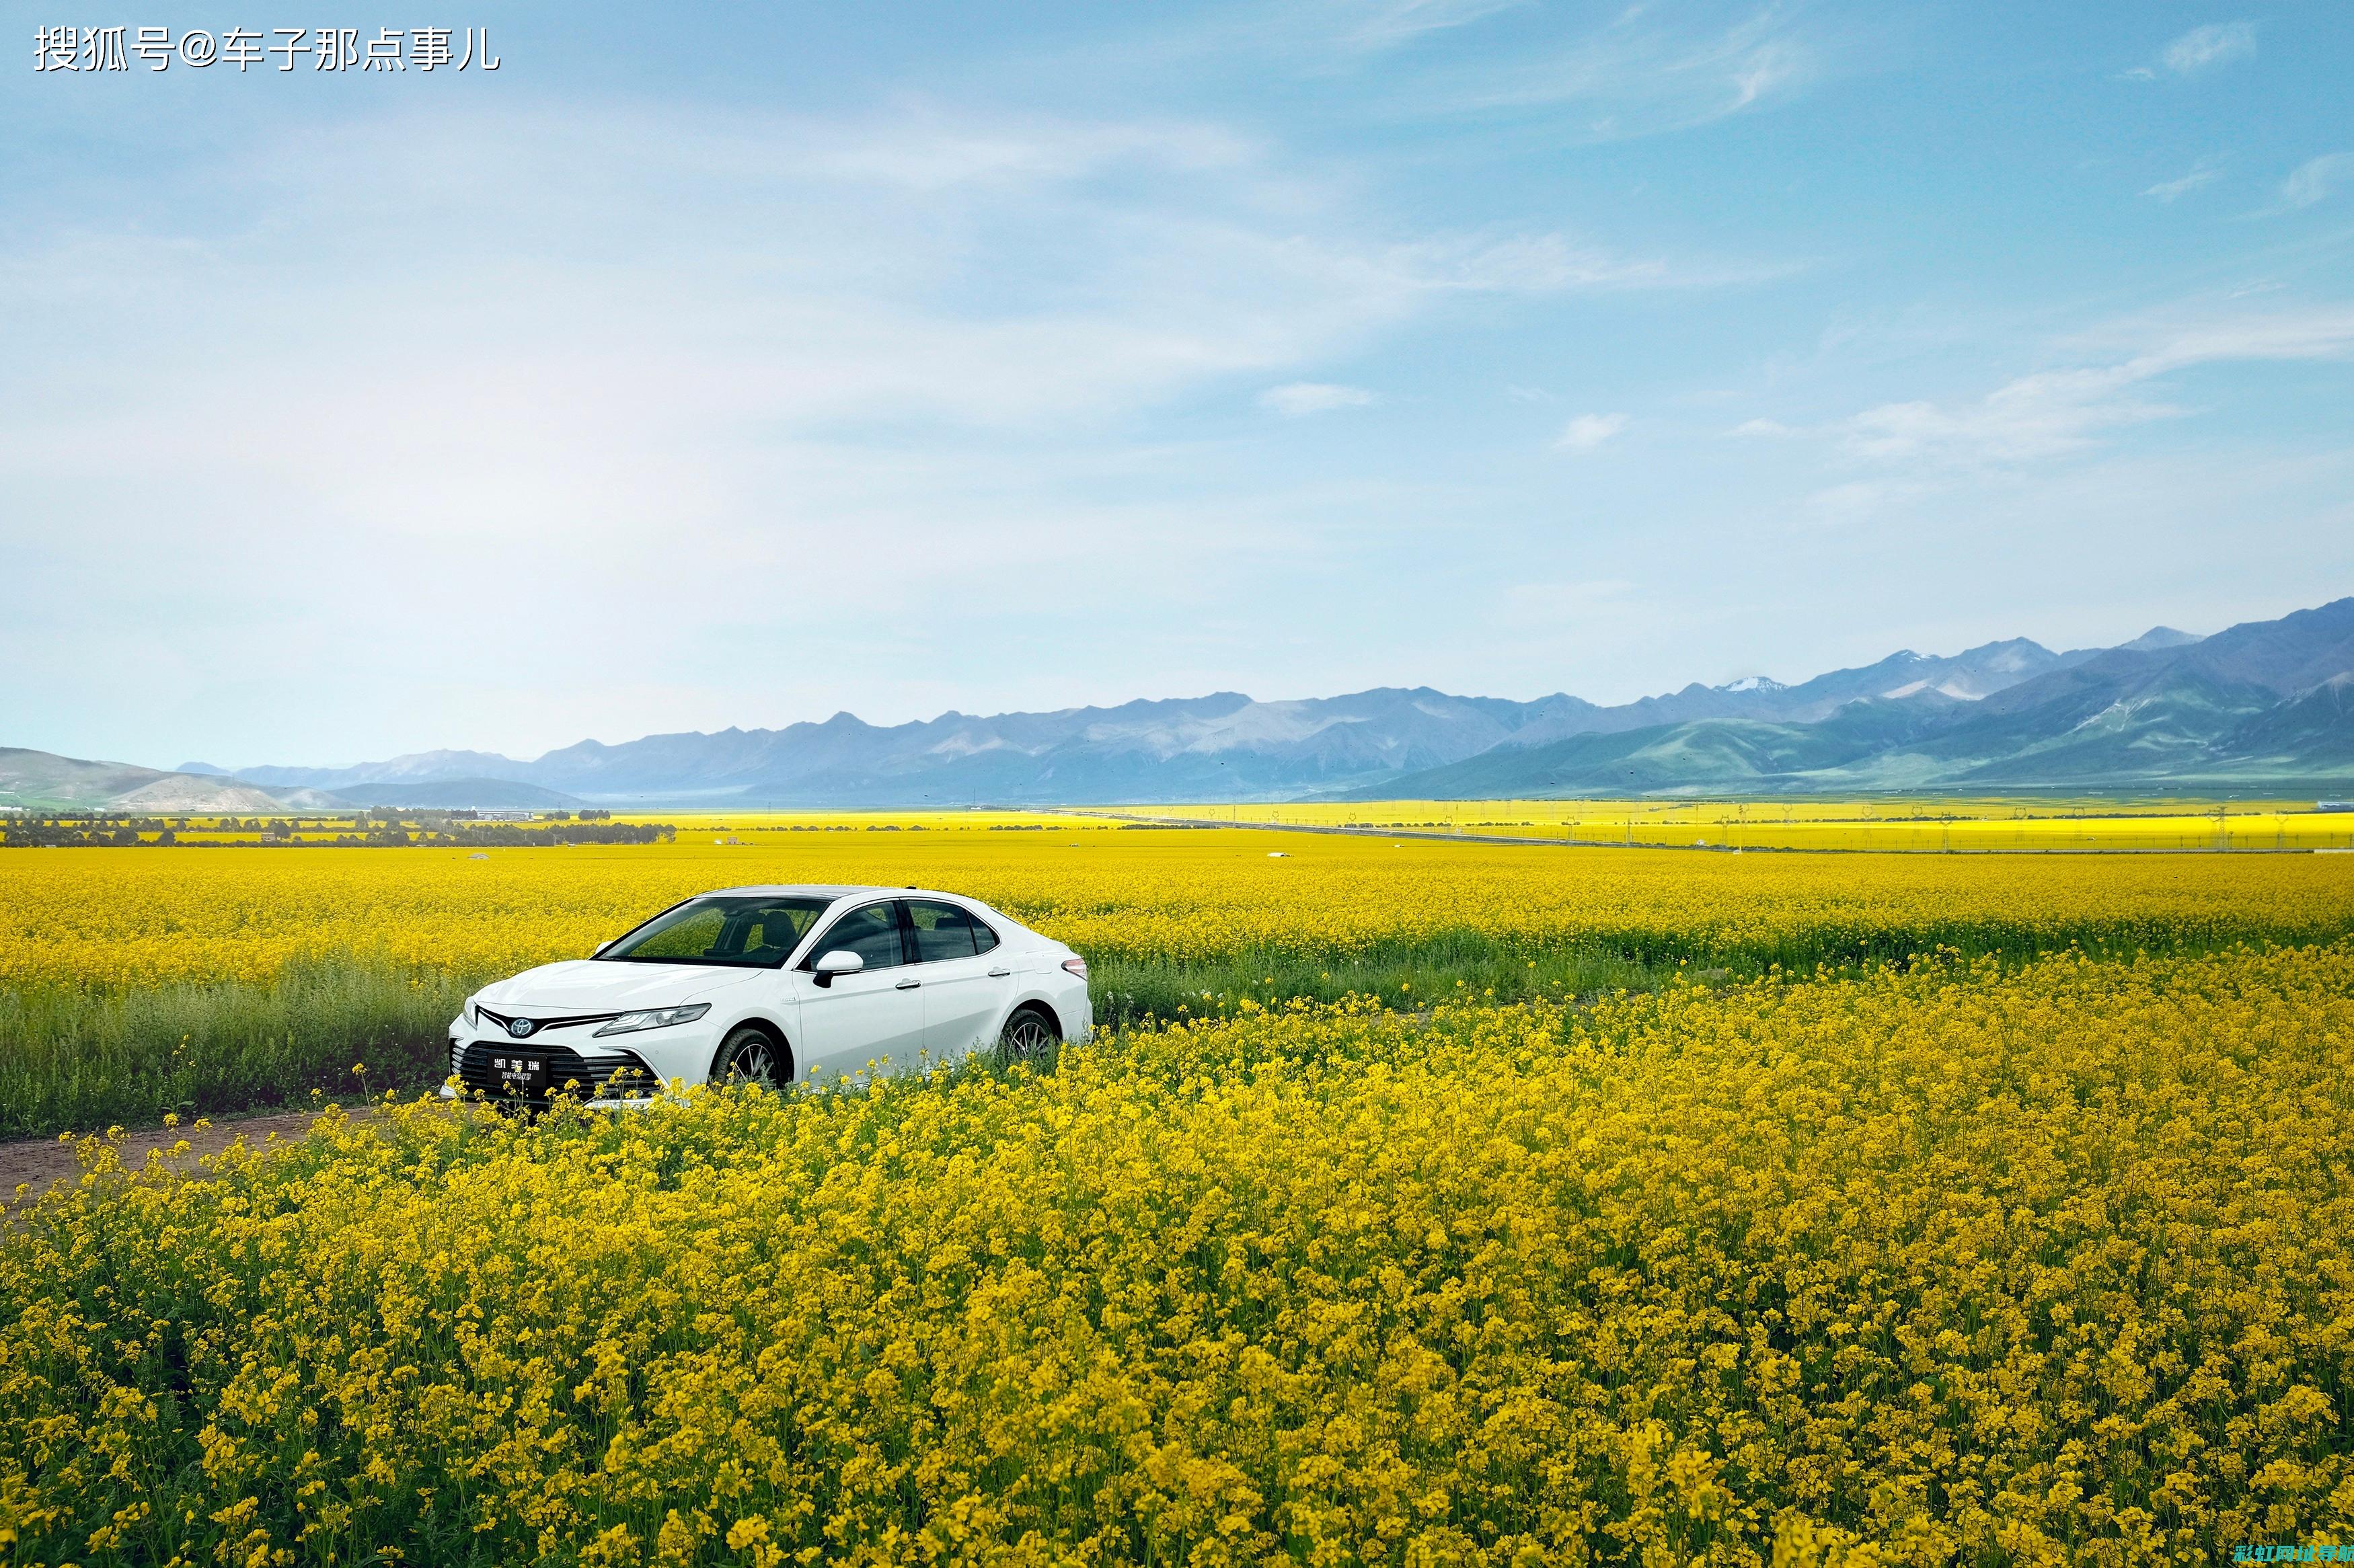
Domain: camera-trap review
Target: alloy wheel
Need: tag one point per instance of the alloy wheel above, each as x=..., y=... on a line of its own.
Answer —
x=753, y=1060
x=1028, y=1038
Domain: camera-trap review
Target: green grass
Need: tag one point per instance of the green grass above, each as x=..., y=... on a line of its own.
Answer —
x=1134, y=993
x=84, y=1060
x=1130, y=993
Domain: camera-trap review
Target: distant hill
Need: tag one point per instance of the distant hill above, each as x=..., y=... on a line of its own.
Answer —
x=2158, y=636
x=1221, y=747
x=2313, y=729
x=45, y=781
x=1966, y=676
x=2262, y=706
x=449, y=794
x=434, y=766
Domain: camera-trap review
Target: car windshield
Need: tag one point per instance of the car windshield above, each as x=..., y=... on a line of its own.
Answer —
x=749, y=932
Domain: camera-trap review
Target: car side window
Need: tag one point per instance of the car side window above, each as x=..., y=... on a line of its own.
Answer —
x=872, y=932
x=983, y=938
x=766, y=934
x=942, y=931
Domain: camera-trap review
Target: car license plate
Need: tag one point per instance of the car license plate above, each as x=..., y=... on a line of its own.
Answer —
x=521, y=1075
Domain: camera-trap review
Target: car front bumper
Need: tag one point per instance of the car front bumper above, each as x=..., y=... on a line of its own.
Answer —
x=658, y=1059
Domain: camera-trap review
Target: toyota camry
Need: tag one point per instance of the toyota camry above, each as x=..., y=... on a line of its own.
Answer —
x=774, y=986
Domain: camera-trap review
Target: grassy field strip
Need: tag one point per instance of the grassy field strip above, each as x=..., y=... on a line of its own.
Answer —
x=1443, y=836
x=1968, y=827
x=2137, y=836
x=78, y=1058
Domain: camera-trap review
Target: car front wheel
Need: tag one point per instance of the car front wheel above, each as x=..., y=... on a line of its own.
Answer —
x=750, y=1056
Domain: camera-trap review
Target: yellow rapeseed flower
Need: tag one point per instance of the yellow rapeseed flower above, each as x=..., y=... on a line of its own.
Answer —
x=1953, y=1261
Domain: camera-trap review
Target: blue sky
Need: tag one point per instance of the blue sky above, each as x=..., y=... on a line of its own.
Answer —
x=780, y=360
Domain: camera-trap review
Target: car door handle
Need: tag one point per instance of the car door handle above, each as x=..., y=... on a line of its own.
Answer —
x=999, y=974
x=906, y=985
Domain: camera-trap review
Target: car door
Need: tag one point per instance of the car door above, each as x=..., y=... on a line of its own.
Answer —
x=964, y=981
x=875, y=1016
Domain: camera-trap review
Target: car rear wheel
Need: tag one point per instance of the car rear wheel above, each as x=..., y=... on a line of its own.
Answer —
x=750, y=1055
x=1029, y=1038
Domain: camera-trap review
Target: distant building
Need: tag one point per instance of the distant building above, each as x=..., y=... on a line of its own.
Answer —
x=2334, y=805
x=504, y=816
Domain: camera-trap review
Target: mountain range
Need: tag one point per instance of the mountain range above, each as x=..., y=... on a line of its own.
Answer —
x=2262, y=706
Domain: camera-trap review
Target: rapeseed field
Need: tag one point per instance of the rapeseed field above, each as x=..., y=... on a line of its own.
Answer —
x=1909, y=825
x=127, y=919
x=1969, y=1261
x=138, y=983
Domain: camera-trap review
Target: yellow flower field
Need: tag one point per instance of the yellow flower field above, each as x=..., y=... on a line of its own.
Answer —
x=1960, y=826
x=132, y=918
x=1957, y=825
x=313, y=829
x=1967, y=1263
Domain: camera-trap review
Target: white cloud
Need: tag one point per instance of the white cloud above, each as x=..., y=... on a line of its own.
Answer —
x=1644, y=71
x=2052, y=413
x=2316, y=178
x=1590, y=74
x=586, y=347
x=1542, y=263
x=1403, y=21
x=797, y=275
x=2206, y=171
x=1587, y=431
x=2213, y=45
x=1298, y=398
x=927, y=152
x=1861, y=502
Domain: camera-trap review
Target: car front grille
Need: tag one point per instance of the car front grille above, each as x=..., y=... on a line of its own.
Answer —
x=597, y=1075
x=537, y=1025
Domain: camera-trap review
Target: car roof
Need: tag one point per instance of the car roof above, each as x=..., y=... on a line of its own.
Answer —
x=830, y=890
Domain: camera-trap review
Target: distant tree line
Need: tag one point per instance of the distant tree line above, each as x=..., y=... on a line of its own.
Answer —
x=98, y=830
x=519, y=833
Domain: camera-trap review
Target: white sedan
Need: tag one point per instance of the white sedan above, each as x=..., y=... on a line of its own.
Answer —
x=776, y=986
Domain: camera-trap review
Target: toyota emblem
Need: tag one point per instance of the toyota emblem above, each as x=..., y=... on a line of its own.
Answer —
x=519, y=1027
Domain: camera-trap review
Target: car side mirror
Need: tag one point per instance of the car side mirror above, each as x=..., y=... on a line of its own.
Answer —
x=601, y=949
x=840, y=961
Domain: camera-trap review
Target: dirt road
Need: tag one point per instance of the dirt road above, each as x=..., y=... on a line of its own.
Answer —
x=38, y=1163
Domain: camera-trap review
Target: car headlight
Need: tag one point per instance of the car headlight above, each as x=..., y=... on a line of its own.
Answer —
x=467, y=1013
x=658, y=1018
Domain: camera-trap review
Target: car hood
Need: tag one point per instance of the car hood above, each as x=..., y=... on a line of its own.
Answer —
x=585, y=985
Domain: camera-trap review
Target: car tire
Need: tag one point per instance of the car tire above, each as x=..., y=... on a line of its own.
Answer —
x=751, y=1055
x=1030, y=1038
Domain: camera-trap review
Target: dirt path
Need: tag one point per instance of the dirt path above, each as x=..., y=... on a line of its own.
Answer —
x=38, y=1163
